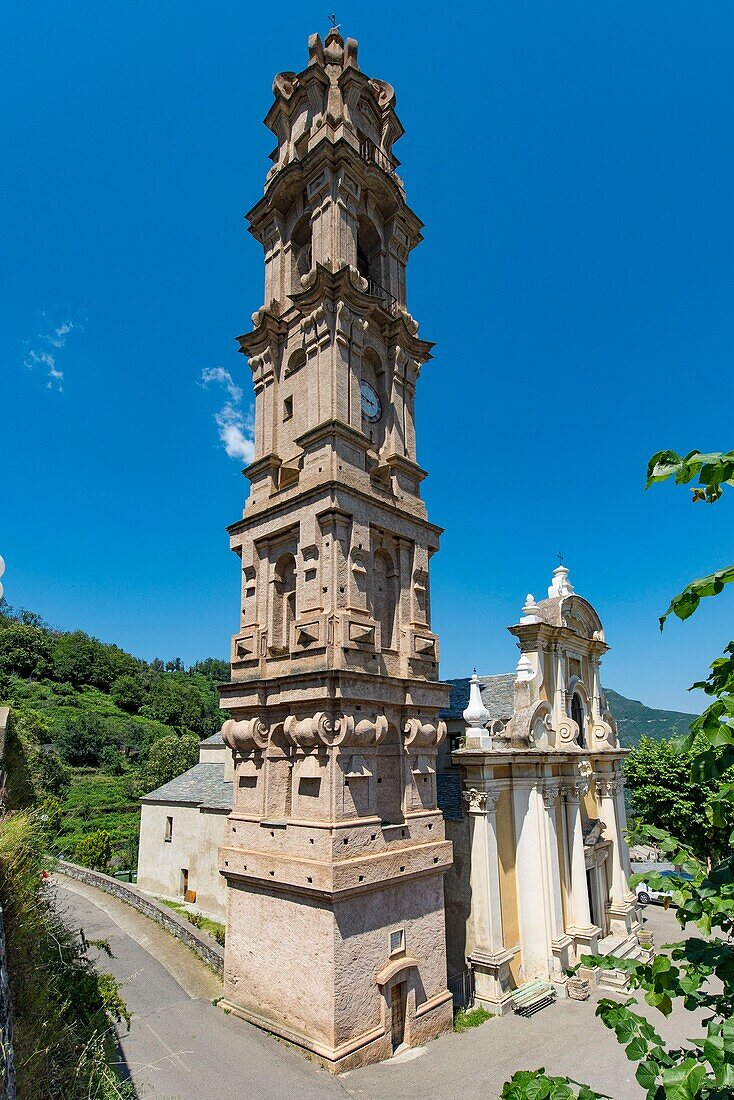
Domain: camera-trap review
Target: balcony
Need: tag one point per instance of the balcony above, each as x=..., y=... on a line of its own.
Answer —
x=374, y=155
x=391, y=303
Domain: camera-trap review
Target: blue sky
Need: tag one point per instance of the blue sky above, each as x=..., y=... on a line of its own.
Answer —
x=574, y=166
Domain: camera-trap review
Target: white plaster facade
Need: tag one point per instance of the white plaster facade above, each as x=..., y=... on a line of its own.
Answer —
x=182, y=826
x=544, y=791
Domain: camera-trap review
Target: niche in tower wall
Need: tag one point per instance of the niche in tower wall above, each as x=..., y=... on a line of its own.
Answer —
x=385, y=592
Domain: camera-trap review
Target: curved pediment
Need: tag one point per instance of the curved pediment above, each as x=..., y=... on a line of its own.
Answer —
x=578, y=615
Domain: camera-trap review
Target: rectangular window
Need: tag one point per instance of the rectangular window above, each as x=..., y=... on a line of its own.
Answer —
x=397, y=941
x=169, y=829
x=288, y=408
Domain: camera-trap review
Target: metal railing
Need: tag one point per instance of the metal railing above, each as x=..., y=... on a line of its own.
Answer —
x=461, y=987
x=391, y=302
x=375, y=155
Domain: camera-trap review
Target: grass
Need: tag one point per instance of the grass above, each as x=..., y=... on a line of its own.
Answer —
x=465, y=1018
x=214, y=928
x=63, y=1009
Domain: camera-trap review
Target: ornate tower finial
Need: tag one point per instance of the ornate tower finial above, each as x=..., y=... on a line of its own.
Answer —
x=560, y=585
x=476, y=717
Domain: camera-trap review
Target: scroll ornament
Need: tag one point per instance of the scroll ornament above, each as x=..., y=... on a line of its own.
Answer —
x=246, y=735
x=423, y=735
x=330, y=730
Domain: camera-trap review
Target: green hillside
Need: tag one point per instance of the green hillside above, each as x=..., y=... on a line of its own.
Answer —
x=94, y=728
x=634, y=720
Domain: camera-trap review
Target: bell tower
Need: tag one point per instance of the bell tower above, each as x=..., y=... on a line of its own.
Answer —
x=335, y=849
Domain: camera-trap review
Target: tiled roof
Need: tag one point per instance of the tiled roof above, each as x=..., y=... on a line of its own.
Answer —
x=448, y=785
x=203, y=785
x=498, y=696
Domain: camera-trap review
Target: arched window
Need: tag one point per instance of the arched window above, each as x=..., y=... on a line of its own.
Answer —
x=384, y=601
x=284, y=600
x=578, y=713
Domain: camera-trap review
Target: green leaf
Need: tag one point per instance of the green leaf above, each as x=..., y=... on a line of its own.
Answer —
x=646, y=1074
x=685, y=603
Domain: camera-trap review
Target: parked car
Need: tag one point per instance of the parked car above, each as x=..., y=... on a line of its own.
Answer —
x=646, y=894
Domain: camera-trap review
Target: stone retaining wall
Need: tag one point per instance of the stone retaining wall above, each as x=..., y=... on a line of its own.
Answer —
x=200, y=943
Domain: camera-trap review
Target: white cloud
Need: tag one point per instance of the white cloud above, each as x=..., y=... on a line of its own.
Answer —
x=55, y=335
x=236, y=428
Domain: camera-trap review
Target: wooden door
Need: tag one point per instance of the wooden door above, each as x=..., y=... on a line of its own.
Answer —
x=398, y=1015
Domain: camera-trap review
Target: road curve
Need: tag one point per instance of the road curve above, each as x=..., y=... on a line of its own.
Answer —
x=180, y=1046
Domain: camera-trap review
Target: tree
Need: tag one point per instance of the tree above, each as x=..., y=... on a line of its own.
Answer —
x=94, y=850
x=664, y=794
x=24, y=651
x=177, y=702
x=697, y=971
x=214, y=669
x=128, y=693
x=170, y=756
x=81, y=740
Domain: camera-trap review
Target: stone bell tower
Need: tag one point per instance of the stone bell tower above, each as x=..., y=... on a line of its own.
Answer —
x=335, y=850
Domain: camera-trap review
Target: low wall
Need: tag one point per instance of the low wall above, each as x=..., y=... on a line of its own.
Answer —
x=200, y=943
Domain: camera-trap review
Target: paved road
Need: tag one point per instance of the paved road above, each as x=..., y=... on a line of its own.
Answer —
x=181, y=1047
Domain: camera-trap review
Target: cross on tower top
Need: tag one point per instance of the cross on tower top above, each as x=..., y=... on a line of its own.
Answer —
x=332, y=20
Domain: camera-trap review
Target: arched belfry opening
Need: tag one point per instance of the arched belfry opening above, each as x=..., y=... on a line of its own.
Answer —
x=578, y=713
x=302, y=249
x=369, y=253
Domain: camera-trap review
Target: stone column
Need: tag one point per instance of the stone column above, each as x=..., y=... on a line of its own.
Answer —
x=622, y=907
x=531, y=872
x=561, y=943
x=489, y=958
x=585, y=933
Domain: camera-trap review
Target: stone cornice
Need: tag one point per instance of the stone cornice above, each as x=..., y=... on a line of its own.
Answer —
x=290, y=180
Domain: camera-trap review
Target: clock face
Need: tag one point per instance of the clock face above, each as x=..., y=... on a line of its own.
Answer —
x=371, y=404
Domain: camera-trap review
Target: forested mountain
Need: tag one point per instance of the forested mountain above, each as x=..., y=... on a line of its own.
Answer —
x=635, y=720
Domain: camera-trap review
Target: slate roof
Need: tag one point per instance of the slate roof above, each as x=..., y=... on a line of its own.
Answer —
x=498, y=696
x=448, y=788
x=203, y=785
x=215, y=739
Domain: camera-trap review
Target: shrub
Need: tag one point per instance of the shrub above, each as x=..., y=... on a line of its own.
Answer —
x=94, y=850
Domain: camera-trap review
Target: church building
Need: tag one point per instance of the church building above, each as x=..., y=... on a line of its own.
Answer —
x=314, y=822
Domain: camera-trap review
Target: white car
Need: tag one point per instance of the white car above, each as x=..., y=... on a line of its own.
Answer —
x=646, y=894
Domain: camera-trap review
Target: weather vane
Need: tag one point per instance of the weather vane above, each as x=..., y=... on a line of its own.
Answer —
x=332, y=20
x=560, y=558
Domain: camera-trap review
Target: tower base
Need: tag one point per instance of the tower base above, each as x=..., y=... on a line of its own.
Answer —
x=350, y=980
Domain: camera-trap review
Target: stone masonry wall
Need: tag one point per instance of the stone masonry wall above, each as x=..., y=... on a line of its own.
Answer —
x=200, y=943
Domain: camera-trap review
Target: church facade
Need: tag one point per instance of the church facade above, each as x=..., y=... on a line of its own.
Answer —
x=327, y=846
x=540, y=859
